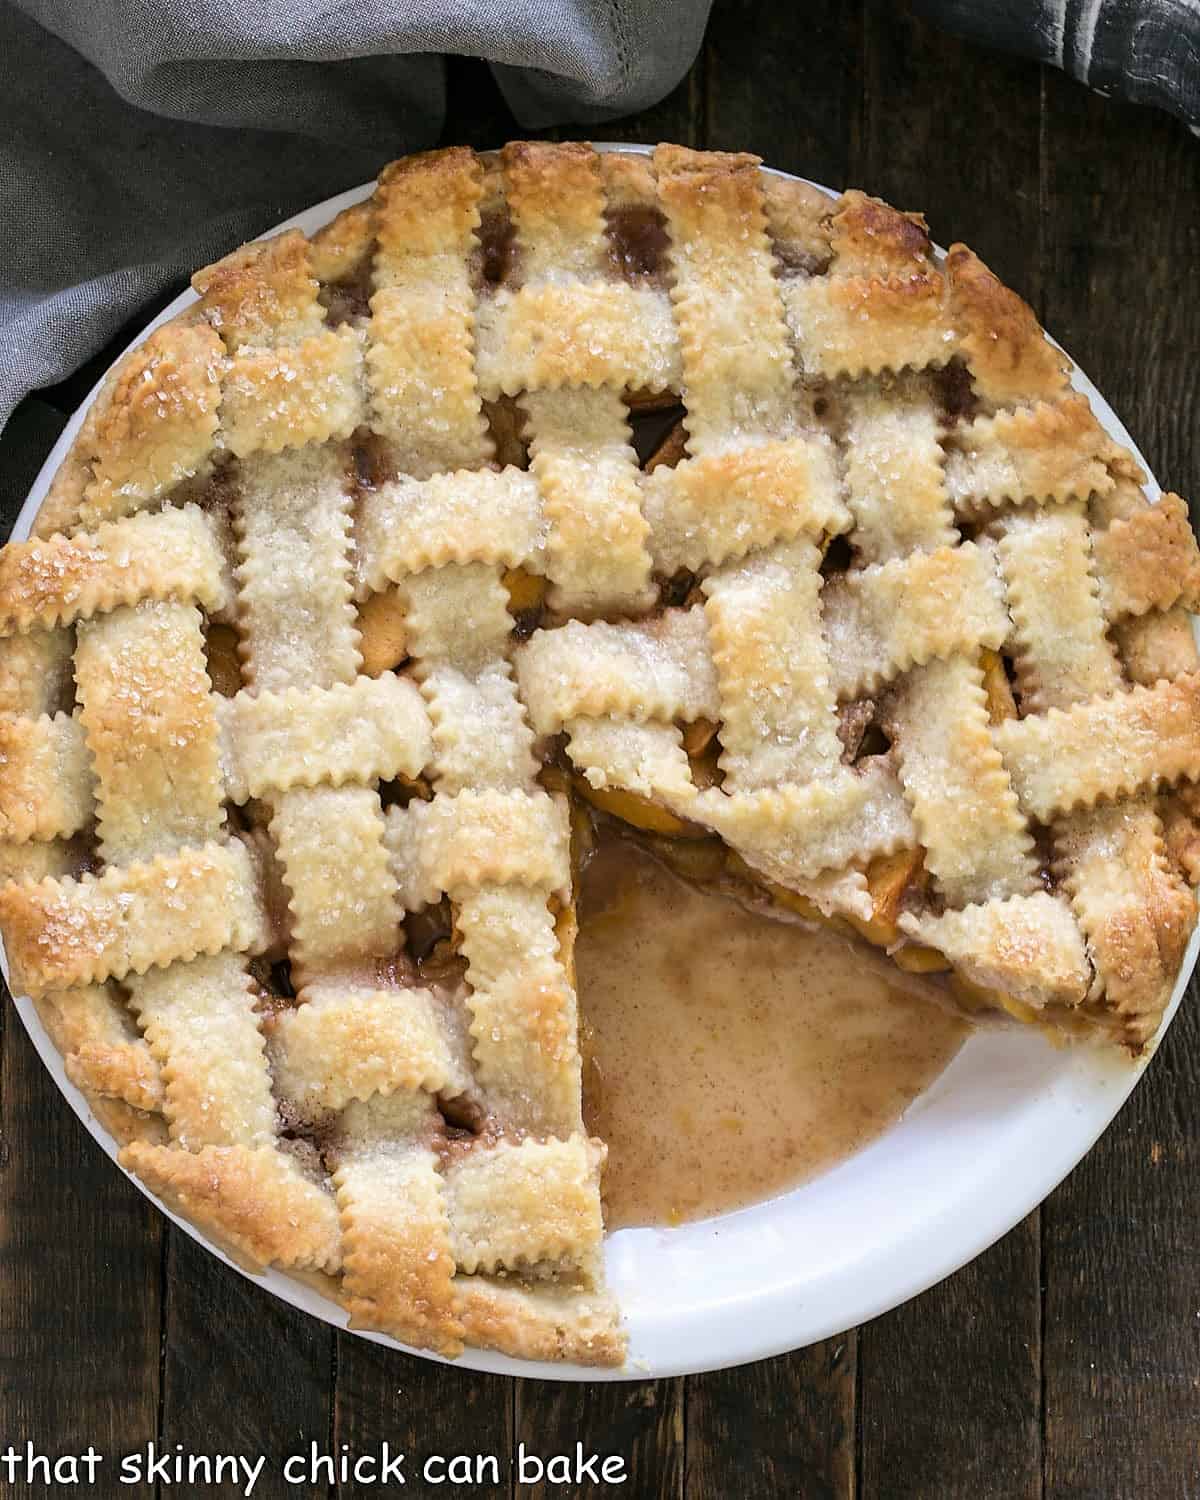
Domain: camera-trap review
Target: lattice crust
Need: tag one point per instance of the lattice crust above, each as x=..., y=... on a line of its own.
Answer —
x=46, y=790
x=370, y=729
x=133, y=918
x=529, y=1205
x=713, y=510
x=259, y=1204
x=200, y=1023
x=470, y=516
x=351, y=1041
x=103, y=1052
x=57, y=580
x=895, y=483
x=364, y=456
x=992, y=943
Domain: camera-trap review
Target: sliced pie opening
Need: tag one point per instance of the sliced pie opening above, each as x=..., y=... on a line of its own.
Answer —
x=732, y=1049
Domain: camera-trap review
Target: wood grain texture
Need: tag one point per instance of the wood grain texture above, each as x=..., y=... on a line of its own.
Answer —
x=642, y=1422
x=783, y=1426
x=1122, y=1268
x=80, y=1279
x=784, y=81
x=953, y=131
x=422, y=1408
x=242, y=1371
x=951, y=1384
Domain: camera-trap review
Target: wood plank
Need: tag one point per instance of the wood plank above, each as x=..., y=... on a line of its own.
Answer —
x=80, y=1279
x=951, y=1397
x=1122, y=1259
x=243, y=1372
x=640, y=1421
x=951, y=1383
x=1122, y=212
x=783, y=1426
x=963, y=150
x=1122, y=1266
x=423, y=1408
x=783, y=81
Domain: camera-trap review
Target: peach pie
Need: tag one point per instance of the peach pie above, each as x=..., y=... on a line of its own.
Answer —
x=542, y=487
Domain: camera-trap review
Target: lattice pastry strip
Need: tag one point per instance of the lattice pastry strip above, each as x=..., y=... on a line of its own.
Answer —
x=200, y=1023
x=289, y=380
x=579, y=446
x=101, y=1047
x=1147, y=560
x=659, y=669
x=1061, y=652
x=549, y=336
x=1042, y=453
x=777, y=705
x=1104, y=748
x=456, y=617
x=132, y=918
x=348, y=1040
x=737, y=365
x=1012, y=363
x=342, y=896
x=292, y=518
x=571, y=323
x=880, y=621
x=648, y=759
x=37, y=673
x=46, y=788
x=469, y=516
x=523, y=1011
x=894, y=480
x=398, y=1263
x=289, y=397
x=155, y=425
x=532, y=1205
x=991, y=943
x=958, y=785
x=362, y=731
x=151, y=730
x=795, y=833
x=425, y=400
x=457, y=843
x=865, y=325
x=1135, y=911
x=717, y=509
x=56, y=580
x=261, y=1204
x=479, y=733
x=596, y=556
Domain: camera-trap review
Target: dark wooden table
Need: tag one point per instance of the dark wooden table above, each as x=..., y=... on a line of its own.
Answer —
x=1065, y=1362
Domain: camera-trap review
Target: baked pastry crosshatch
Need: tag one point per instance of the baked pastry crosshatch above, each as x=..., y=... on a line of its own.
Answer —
x=544, y=480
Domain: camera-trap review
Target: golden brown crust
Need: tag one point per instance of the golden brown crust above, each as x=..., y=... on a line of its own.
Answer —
x=1010, y=358
x=350, y=400
x=257, y=1204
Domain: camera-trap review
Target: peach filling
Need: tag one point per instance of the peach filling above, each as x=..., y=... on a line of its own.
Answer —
x=701, y=858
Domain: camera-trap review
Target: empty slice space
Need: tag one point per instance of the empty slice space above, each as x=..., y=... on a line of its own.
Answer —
x=728, y=1055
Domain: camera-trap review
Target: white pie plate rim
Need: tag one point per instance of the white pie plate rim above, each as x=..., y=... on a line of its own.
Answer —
x=993, y=1135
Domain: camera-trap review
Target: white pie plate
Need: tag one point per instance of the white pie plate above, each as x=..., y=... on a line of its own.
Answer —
x=1000, y=1128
